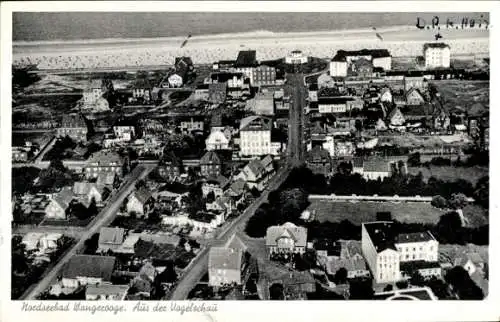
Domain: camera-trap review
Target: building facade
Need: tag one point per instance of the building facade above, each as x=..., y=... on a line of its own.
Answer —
x=255, y=136
x=437, y=55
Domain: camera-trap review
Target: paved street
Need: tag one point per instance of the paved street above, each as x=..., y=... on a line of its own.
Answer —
x=200, y=263
x=295, y=86
x=105, y=217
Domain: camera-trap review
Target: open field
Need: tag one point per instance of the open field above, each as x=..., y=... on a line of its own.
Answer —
x=463, y=95
x=451, y=173
x=408, y=212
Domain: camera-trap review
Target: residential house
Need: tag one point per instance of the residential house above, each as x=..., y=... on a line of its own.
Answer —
x=236, y=190
x=225, y=266
x=286, y=239
x=183, y=66
x=142, y=90
x=217, y=185
x=442, y=120
x=110, y=238
x=59, y=204
x=93, y=91
x=192, y=124
x=124, y=133
x=217, y=140
x=379, y=168
x=319, y=161
x=386, y=94
x=379, y=250
x=85, y=192
x=418, y=82
x=262, y=104
x=425, y=268
x=361, y=67
x=202, y=92
x=437, y=55
x=325, y=81
x=340, y=63
x=222, y=204
x=354, y=265
x=106, y=292
x=246, y=62
x=103, y=162
x=140, y=202
x=255, y=136
x=107, y=179
x=333, y=104
x=396, y=117
x=19, y=154
x=256, y=173
x=217, y=93
x=414, y=97
x=210, y=164
x=169, y=167
x=88, y=270
x=234, y=80
x=31, y=241
x=223, y=64
x=471, y=262
x=74, y=126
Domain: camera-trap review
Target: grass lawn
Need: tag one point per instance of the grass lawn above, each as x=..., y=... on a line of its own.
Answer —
x=408, y=212
x=71, y=222
x=451, y=173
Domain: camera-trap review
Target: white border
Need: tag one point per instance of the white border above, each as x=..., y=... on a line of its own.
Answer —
x=263, y=310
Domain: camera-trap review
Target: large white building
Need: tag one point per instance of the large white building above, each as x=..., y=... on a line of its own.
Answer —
x=437, y=55
x=386, y=252
x=255, y=136
x=378, y=57
x=296, y=57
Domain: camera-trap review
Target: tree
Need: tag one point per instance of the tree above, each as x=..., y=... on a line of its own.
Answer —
x=291, y=204
x=414, y=159
x=439, y=202
x=78, y=210
x=482, y=192
x=276, y=292
x=457, y=201
x=340, y=276
x=417, y=279
x=91, y=244
x=388, y=288
x=361, y=289
x=401, y=284
x=463, y=285
x=384, y=216
x=449, y=229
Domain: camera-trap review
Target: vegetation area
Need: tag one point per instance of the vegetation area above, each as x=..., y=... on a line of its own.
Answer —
x=25, y=271
x=288, y=202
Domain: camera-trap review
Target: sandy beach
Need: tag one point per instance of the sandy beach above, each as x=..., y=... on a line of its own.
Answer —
x=401, y=41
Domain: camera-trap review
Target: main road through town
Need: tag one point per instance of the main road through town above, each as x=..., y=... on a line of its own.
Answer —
x=295, y=87
x=105, y=217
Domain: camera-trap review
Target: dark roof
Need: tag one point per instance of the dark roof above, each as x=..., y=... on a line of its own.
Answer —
x=111, y=235
x=170, y=158
x=375, y=53
x=414, y=237
x=224, y=76
x=210, y=157
x=415, y=265
x=255, y=122
x=435, y=45
x=318, y=154
x=142, y=194
x=246, y=58
x=381, y=234
x=183, y=61
x=73, y=121
x=334, y=100
x=142, y=82
x=90, y=266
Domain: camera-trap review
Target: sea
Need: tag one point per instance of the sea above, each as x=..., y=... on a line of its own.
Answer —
x=71, y=26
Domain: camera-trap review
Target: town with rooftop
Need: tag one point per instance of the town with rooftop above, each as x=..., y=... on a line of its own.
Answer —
x=358, y=176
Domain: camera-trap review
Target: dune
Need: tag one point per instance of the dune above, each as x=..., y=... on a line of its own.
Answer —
x=402, y=41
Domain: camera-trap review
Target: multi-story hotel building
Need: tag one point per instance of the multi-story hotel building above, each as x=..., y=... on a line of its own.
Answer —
x=255, y=136
x=437, y=55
